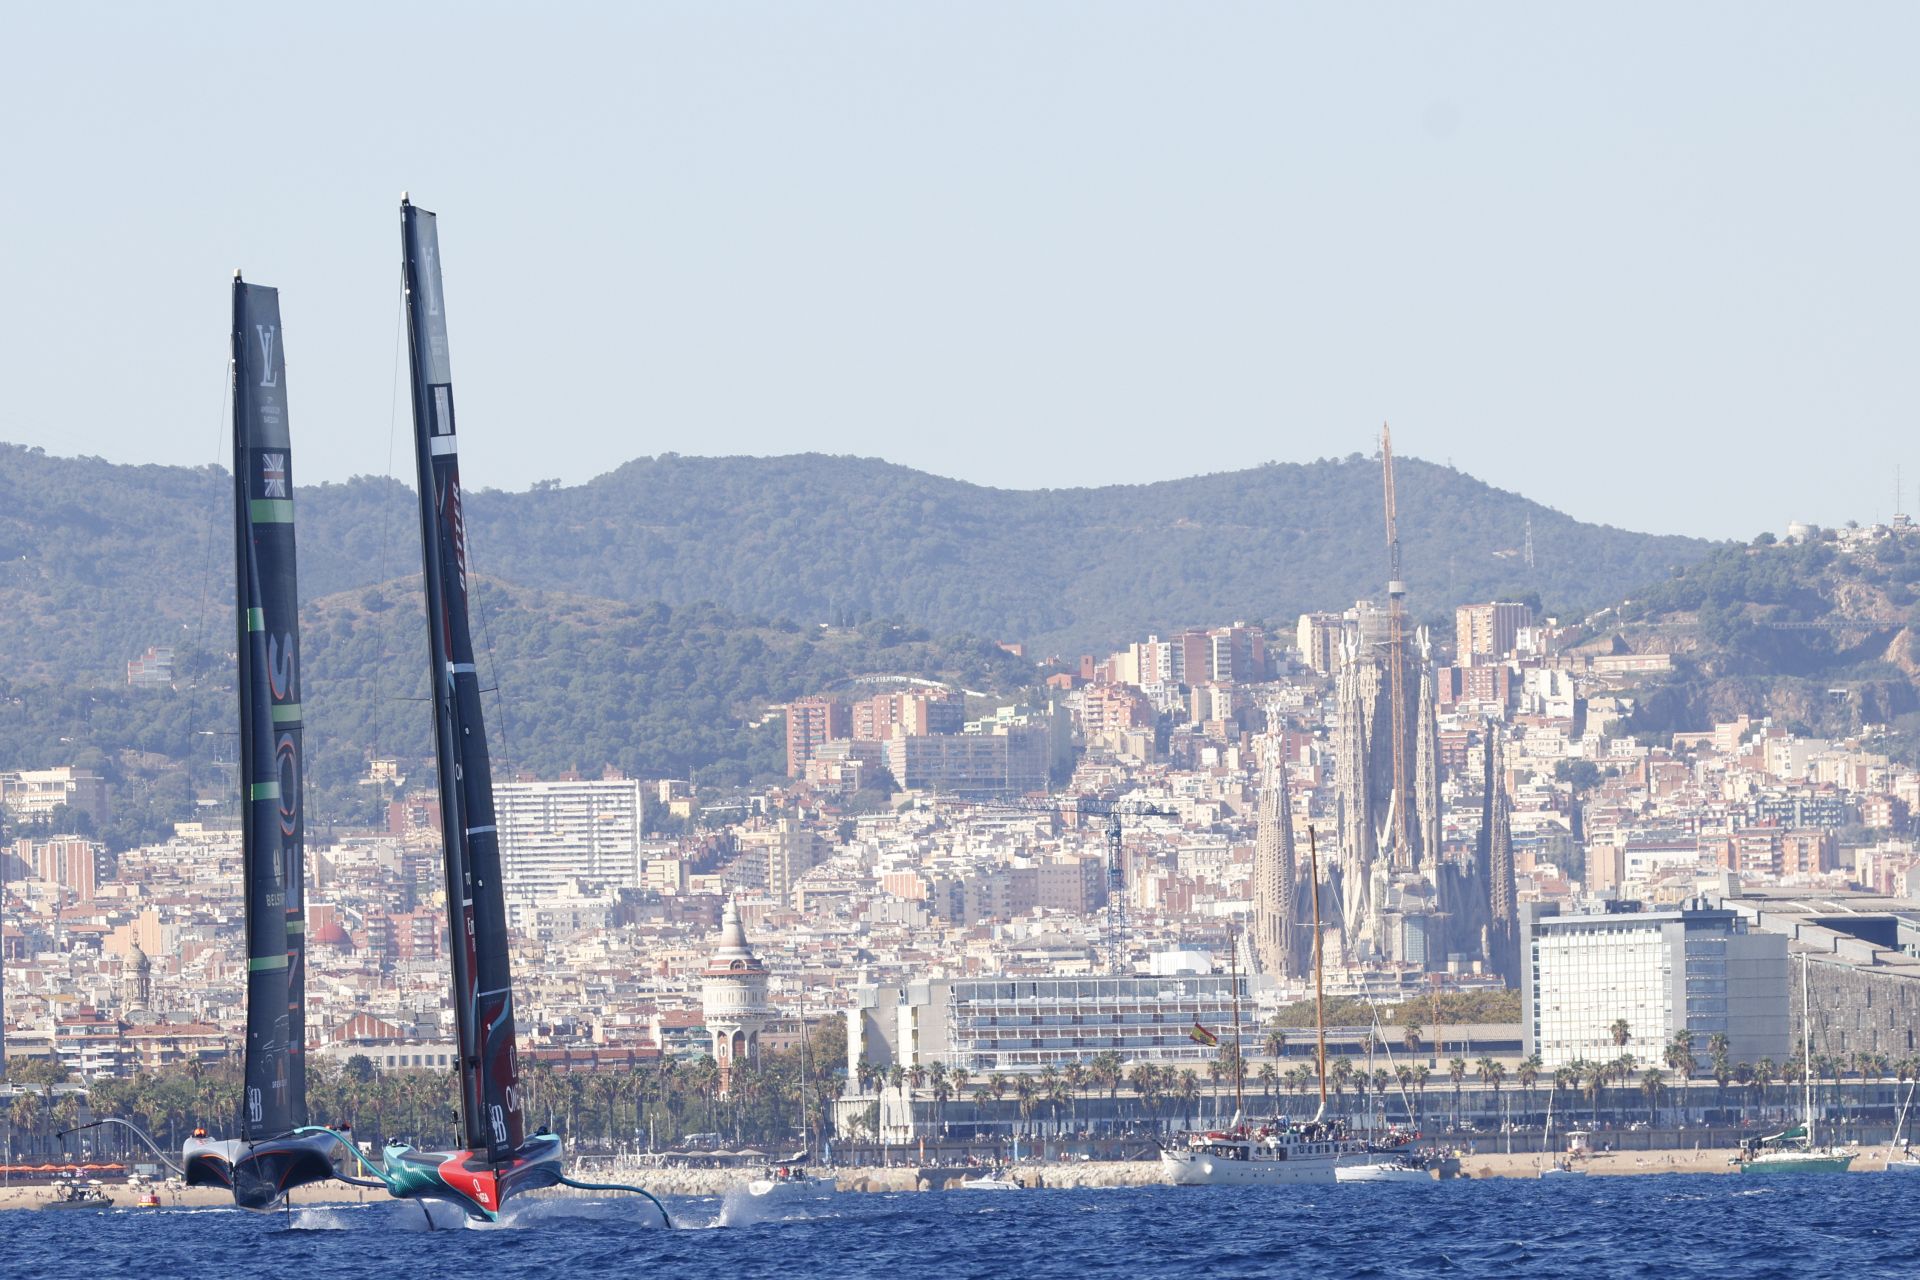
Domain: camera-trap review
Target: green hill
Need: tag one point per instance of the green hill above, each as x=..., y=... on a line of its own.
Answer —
x=97, y=561
x=1822, y=636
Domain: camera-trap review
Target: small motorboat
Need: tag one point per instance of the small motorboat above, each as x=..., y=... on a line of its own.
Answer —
x=73, y=1195
x=992, y=1180
x=1385, y=1168
x=1562, y=1169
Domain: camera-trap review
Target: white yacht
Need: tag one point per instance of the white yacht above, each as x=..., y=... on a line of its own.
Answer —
x=1386, y=1168
x=1273, y=1154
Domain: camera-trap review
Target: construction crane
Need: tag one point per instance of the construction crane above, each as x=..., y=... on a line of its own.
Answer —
x=1116, y=812
x=1401, y=854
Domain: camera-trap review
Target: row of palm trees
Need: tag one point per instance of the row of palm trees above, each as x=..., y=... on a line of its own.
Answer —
x=658, y=1102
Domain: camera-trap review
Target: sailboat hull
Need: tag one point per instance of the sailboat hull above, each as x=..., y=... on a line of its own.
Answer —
x=1205, y=1169
x=466, y=1179
x=259, y=1173
x=1797, y=1162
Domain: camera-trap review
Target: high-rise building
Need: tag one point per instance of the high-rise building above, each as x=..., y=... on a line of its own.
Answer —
x=1698, y=969
x=1488, y=630
x=811, y=722
x=1318, y=639
x=1009, y=759
x=567, y=838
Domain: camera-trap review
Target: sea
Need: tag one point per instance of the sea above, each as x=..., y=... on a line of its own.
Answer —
x=1670, y=1226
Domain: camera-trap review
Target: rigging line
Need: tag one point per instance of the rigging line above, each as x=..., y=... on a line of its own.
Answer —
x=383, y=565
x=206, y=584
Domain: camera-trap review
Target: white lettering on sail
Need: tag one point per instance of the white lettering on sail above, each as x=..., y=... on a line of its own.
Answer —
x=267, y=376
x=254, y=1110
x=499, y=1124
x=433, y=281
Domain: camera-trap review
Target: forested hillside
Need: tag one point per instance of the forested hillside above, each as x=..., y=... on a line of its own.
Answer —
x=102, y=560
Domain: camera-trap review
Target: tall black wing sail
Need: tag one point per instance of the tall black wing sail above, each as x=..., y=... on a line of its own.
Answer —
x=274, y=1100
x=482, y=985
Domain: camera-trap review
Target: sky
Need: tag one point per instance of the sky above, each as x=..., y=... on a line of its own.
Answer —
x=1650, y=264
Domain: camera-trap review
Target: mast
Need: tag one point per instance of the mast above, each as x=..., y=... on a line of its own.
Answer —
x=491, y=1119
x=1239, y=1068
x=1319, y=985
x=1806, y=1047
x=274, y=1097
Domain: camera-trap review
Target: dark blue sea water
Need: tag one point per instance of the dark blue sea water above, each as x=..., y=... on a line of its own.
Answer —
x=1674, y=1227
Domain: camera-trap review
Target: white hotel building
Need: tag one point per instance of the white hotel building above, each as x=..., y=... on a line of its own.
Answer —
x=1697, y=968
x=567, y=840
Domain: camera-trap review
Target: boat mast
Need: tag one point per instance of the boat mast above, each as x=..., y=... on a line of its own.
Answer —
x=1319, y=984
x=1806, y=1046
x=1233, y=958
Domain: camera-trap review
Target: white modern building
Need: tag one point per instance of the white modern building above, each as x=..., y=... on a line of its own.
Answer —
x=576, y=838
x=1697, y=968
x=1027, y=1024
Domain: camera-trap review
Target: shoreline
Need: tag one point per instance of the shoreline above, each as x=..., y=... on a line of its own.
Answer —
x=1065, y=1176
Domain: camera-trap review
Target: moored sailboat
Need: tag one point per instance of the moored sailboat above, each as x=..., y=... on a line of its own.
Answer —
x=1795, y=1150
x=271, y=1155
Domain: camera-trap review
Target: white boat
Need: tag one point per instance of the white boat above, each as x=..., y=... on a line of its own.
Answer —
x=1280, y=1152
x=1797, y=1150
x=1909, y=1163
x=1385, y=1169
x=994, y=1181
x=786, y=1180
x=1562, y=1169
x=1277, y=1154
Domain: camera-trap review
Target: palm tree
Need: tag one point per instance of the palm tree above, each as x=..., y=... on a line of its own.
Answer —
x=1189, y=1089
x=1596, y=1082
x=1527, y=1075
x=1679, y=1059
x=1024, y=1092
x=1650, y=1084
x=1269, y=1077
x=1420, y=1075
x=1620, y=1032
x=1410, y=1036
x=25, y=1114
x=1275, y=1043
x=1456, y=1072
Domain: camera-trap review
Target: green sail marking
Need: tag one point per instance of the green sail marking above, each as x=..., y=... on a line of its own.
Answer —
x=286, y=713
x=256, y=619
x=271, y=962
x=264, y=791
x=271, y=510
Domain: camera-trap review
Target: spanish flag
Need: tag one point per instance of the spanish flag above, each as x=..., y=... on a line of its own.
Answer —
x=1203, y=1035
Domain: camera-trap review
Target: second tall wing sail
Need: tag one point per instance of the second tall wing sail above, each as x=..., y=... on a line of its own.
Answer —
x=491, y=1116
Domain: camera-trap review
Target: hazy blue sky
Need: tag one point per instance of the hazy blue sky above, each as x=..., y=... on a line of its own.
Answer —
x=1651, y=264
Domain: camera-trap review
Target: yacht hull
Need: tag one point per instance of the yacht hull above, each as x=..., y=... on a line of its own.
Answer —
x=464, y=1178
x=259, y=1173
x=1206, y=1169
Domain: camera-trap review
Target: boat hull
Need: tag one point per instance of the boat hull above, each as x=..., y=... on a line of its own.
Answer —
x=259, y=1173
x=1798, y=1164
x=464, y=1178
x=1206, y=1169
x=1380, y=1173
x=1903, y=1166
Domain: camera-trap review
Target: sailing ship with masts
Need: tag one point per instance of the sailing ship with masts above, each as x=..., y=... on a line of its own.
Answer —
x=272, y=1152
x=1277, y=1151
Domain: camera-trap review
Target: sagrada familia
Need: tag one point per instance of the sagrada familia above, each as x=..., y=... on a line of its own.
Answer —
x=1387, y=886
